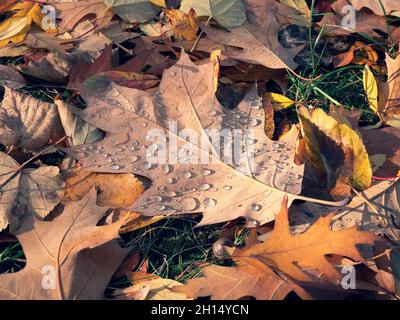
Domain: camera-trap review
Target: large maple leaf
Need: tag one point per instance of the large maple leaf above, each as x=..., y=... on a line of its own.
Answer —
x=68, y=258
x=251, y=189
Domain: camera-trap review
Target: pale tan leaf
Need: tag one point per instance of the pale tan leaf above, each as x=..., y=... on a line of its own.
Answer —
x=27, y=192
x=26, y=121
x=81, y=255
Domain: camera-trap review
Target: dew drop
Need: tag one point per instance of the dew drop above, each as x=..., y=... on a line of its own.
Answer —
x=189, y=204
x=116, y=167
x=158, y=198
x=256, y=207
x=188, y=175
x=227, y=188
x=171, y=194
x=209, y=202
x=108, y=160
x=171, y=180
x=253, y=123
x=213, y=113
x=205, y=187
x=167, y=168
x=206, y=172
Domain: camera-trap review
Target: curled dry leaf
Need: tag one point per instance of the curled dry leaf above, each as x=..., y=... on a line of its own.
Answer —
x=27, y=122
x=220, y=191
x=27, y=192
x=336, y=152
x=389, y=103
x=82, y=255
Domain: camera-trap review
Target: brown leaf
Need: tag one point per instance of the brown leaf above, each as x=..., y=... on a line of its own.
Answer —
x=27, y=122
x=72, y=12
x=380, y=141
x=221, y=191
x=114, y=190
x=53, y=67
x=251, y=278
x=81, y=256
x=366, y=21
x=11, y=78
x=290, y=254
x=26, y=192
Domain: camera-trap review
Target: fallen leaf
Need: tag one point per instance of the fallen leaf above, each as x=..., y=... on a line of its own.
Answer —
x=150, y=287
x=78, y=130
x=72, y=12
x=202, y=7
x=27, y=192
x=114, y=190
x=299, y=5
x=15, y=28
x=392, y=7
x=53, y=67
x=257, y=41
x=251, y=278
x=228, y=13
x=279, y=102
x=189, y=92
x=371, y=88
x=27, y=122
x=389, y=103
x=133, y=10
x=81, y=255
x=183, y=25
x=366, y=22
x=336, y=152
x=10, y=78
x=291, y=254
x=379, y=141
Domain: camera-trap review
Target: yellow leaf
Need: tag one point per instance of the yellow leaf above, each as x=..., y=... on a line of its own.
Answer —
x=279, y=101
x=356, y=161
x=114, y=190
x=184, y=25
x=136, y=221
x=15, y=28
x=299, y=5
x=159, y=3
x=215, y=57
x=371, y=88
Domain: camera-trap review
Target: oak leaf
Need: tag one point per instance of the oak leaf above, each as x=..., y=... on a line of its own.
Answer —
x=221, y=191
x=251, y=278
x=291, y=254
x=150, y=287
x=81, y=255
